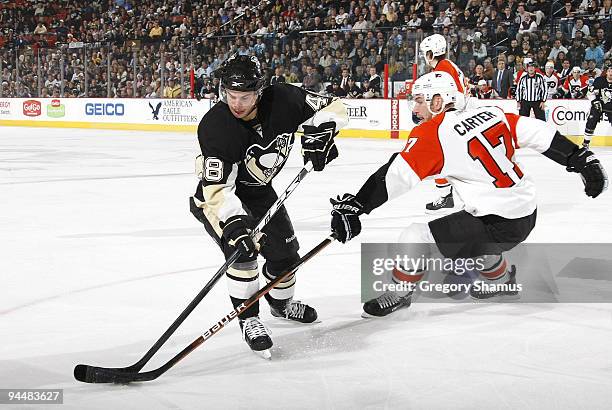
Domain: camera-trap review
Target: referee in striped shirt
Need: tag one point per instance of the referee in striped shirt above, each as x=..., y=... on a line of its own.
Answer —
x=531, y=92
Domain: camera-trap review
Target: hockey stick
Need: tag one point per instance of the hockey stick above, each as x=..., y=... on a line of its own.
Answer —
x=78, y=370
x=91, y=374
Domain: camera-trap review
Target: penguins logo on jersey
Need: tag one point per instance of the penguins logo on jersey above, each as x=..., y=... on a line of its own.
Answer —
x=316, y=102
x=263, y=163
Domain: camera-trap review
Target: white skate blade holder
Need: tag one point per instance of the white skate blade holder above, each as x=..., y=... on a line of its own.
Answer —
x=264, y=354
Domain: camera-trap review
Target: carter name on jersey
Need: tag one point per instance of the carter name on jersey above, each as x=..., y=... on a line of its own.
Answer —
x=472, y=122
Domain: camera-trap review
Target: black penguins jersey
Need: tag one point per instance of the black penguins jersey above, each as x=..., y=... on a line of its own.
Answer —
x=239, y=157
x=601, y=89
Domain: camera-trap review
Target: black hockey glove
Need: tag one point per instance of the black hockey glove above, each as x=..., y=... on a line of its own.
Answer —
x=597, y=105
x=236, y=231
x=593, y=174
x=318, y=144
x=345, y=222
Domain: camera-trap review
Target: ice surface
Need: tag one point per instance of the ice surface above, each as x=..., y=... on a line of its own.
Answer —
x=99, y=254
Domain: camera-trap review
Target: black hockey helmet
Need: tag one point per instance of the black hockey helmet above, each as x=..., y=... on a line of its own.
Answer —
x=241, y=73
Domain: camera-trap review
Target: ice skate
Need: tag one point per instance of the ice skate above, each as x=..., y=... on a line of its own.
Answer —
x=257, y=336
x=385, y=304
x=443, y=205
x=296, y=311
x=484, y=290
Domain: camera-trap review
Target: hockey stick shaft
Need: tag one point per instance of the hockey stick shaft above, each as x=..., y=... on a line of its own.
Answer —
x=78, y=370
x=105, y=375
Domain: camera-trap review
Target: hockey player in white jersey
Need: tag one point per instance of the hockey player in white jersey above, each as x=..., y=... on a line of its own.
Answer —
x=475, y=150
x=552, y=81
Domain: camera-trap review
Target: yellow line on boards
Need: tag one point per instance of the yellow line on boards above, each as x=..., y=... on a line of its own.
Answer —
x=601, y=141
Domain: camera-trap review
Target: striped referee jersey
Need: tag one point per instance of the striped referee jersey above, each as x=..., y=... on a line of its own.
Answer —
x=531, y=88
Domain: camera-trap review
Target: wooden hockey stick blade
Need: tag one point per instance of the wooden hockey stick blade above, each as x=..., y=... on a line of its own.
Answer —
x=93, y=374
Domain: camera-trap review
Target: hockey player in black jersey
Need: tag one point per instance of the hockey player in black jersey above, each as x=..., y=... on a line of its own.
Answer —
x=600, y=93
x=245, y=140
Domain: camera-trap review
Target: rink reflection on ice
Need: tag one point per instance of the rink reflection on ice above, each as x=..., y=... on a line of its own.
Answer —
x=100, y=254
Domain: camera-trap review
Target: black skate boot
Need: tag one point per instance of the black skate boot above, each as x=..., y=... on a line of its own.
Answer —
x=294, y=310
x=385, y=304
x=441, y=205
x=485, y=290
x=257, y=336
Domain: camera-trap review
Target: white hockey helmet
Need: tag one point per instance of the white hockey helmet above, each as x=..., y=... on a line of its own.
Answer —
x=436, y=83
x=436, y=43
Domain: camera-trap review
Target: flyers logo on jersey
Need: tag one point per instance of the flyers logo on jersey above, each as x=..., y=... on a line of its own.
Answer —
x=263, y=163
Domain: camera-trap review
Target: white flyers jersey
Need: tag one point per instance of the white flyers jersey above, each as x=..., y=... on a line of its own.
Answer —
x=552, y=84
x=475, y=151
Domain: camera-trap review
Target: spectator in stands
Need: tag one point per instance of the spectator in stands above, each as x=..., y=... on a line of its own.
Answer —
x=361, y=24
x=594, y=52
x=575, y=55
x=156, y=31
x=502, y=80
x=561, y=57
x=557, y=47
x=602, y=40
x=464, y=56
x=344, y=78
x=564, y=70
x=525, y=49
x=372, y=85
x=515, y=48
x=278, y=76
x=479, y=50
x=312, y=80
x=540, y=58
x=441, y=21
x=489, y=70
x=400, y=74
x=172, y=90
x=40, y=28
x=580, y=27
x=527, y=29
x=566, y=15
x=415, y=22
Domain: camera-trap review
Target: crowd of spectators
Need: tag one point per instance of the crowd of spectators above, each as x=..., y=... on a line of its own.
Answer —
x=127, y=48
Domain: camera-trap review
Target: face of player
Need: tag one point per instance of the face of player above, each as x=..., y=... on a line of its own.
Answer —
x=242, y=103
x=549, y=70
x=609, y=74
x=424, y=112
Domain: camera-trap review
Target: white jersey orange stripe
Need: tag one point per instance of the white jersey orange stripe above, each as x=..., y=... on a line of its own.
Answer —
x=475, y=150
